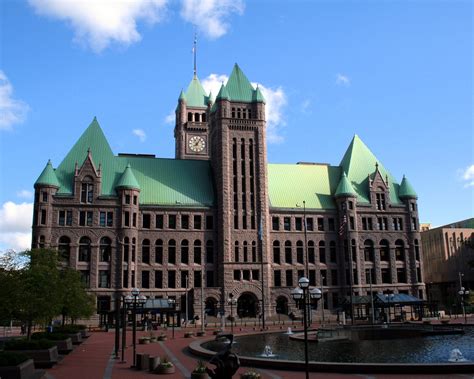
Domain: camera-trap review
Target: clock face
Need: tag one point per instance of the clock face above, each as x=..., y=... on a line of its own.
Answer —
x=197, y=144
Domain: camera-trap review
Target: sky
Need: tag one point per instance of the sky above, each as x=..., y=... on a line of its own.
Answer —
x=397, y=73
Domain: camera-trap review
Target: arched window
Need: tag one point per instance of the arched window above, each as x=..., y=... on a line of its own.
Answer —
x=299, y=252
x=417, y=250
x=369, y=250
x=134, y=249
x=276, y=252
x=246, y=252
x=105, y=249
x=87, y=190
x=282, y=305
x=236, y=252
x=322, y=251
x=384, y=251
x=126, y=249
x=190, y=116
x=159, y=251
x=146, y=251
x=254, y=251
x=399, y=250
x=64, y=248
x=354, y=251
x=288, y=252
x=172, y=251
x=197, y=117
x=332, y=252
x=197, y=252
x=311, y=252
x=185, y=251
x=203, y=117
x=210, y=251
x=84, y=249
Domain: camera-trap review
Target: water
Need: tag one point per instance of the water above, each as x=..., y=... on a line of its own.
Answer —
x=432, y=349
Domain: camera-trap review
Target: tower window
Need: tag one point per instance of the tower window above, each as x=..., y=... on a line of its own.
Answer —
x=190, y=116
x=87, y=192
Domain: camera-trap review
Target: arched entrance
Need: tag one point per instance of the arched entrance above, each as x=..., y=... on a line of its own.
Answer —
x=211, y=307
x=282, y=305
x=247, y=305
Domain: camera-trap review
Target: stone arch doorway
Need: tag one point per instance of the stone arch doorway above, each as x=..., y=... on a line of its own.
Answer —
x=247, y=305
x=211, y=307
x=282, y=305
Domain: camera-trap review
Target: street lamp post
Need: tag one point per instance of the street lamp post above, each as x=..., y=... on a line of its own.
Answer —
x=301, y=293
x=134, y=301
x=172, y=303
x=231, y=302
x=322, y=301
x=463, y=293
x=124, y=328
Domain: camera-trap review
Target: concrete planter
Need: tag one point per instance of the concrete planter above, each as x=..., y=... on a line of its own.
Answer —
x=164, y=370
x=24, y=370
x=45, y=358
x=64, y=346
x=76, y=338
x=189, y=334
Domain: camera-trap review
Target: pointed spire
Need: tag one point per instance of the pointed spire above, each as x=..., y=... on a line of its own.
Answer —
x=239, y=87
x=48, y=177
x=344, y=188
x=211, y=98
x=258, y=96
x=195, y=53
x=406, y=190
x=223, y=94
x=182, y=96
x=128, y=179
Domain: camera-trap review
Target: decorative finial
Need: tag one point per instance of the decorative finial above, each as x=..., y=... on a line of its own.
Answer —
x=194, y=53
x=376, y=165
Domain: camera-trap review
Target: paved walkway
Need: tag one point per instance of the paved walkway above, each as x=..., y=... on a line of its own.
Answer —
x=93, y=359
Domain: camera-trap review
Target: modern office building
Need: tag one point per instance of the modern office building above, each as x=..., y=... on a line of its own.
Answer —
x=220, y=216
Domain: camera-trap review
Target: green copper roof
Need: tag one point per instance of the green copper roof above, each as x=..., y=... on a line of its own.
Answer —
x=344, y=187
x=223, y=94
x=48, y=177
x=239, y=87
x=211, y=98
x=406, y=190
x=291, y=184
x=161, y=181
x=258, y=96
x=358, y=162
x=195, y=95
x=128, y=180
x=181, y=96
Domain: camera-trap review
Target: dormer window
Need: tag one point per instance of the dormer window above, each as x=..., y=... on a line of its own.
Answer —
x=87, y=190
x=380, y=201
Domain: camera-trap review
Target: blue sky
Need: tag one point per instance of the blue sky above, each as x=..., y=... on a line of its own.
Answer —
x=397, y=73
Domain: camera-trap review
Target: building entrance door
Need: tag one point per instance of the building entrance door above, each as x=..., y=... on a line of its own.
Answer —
x=247, y=305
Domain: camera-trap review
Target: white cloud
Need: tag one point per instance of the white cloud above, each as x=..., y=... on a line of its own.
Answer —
x=343, y=80
x=98, y=23
x=468, y=176
x=140, y=133
x=275, y=101
x=25, y=194
x=12, y=111
x=209, y=16
x=15, y=225
x=169, y=119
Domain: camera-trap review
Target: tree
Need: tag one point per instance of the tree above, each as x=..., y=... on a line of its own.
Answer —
x=75, y=301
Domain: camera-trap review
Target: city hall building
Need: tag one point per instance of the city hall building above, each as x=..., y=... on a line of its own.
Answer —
x=219, y=216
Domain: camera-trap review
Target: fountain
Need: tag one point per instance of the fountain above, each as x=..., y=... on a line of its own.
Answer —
x=289, y=331
x=267, y=352
x=456, y=356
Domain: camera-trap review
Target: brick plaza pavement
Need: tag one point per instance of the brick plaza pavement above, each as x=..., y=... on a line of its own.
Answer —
x=93, y=359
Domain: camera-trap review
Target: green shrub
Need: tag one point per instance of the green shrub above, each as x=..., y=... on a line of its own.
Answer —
x=49, y=336
x=69, y=329
x=23, y=344
x=10, y=358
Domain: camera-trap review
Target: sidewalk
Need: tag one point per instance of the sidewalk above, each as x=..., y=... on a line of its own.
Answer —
x=93, y=359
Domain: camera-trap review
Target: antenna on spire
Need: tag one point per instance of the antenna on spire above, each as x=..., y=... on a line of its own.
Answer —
x=194, y=53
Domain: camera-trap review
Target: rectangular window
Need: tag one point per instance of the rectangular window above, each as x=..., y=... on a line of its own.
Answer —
x=324, y=277
x=82, y=218
x=145, y=279
x=334, y=280
x=236, y=274
x=312, y=277
x=62, y=218
x=309, y=224
x=43, y=217
x=134, y=220
x=298, y=223
x=197, y=222
x=197, y=279
x=185, y=254
x=287, y=223
x=320, y=224
x=331, y=224
x=125, y=279
x=209, y=222
x=45, y=197
x=89, y=218
x=127, y=199
x=104, y=279
x=159, y=222
x=135, y=200
x=184, y=222
x=255, y=274
x=171, y=279
x=414, y=224
x=386, y=275
x=126, y=218
x=146, y=221
x=85, y=278
x=351, y=223
x=369, y=224
x=401, y=275
x=69, y=218
x=158, y=279
x=246, y=275
x=364, y=223
x=289, y=278
x=275, y=223
x=87, y=192
x=210, y=279
x=172, y=221
x=110, y=219
x=102, y=218
x=184, y=279
x=277, y=278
